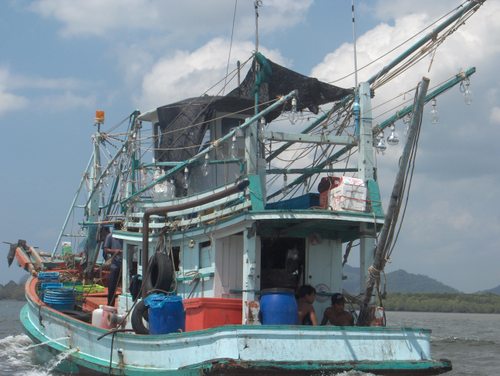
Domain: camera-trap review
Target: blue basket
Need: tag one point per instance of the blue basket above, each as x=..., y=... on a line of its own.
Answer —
x=48, y=276
x=50, y=285
x=59, y=298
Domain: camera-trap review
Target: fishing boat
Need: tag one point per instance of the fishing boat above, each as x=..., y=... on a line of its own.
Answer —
x=223, y=210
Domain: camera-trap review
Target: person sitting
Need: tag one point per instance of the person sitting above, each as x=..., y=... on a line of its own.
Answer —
x=306, y=295
x=336, y=314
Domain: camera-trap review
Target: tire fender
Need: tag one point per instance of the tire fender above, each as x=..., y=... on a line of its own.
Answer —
x=160, y=272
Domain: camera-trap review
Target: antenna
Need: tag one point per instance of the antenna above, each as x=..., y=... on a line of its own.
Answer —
x=257, y=4
x=354, y=42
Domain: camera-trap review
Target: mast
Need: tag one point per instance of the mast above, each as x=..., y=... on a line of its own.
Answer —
x=92, y=209
x=363, y=118
x=392, y=210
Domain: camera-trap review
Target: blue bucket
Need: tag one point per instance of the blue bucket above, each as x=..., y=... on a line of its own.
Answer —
x=278, y=307
x=59, y=298
x=166, y=314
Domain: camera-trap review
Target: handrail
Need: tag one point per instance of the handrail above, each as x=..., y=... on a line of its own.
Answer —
x=164, y=209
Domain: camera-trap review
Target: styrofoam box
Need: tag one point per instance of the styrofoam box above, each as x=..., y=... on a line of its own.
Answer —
x=349, y=195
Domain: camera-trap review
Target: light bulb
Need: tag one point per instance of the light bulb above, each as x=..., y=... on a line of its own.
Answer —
x=381, y=146
x=234, y=149
x=393, y=138
x=284, y=190
x=467, y=96
x=464, y=88
x=261, y=130
x=204, y=166
x=293, y=114
x=434, y=112
x=186, y=177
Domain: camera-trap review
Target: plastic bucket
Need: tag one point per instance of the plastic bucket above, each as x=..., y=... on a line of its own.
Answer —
x=278, y=307
x=166, y=314
x=59, y=298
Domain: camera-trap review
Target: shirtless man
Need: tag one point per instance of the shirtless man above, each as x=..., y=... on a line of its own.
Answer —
x=336, y=314
x=306, y=295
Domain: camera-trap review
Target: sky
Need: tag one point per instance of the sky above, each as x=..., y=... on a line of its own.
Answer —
x=61, y=60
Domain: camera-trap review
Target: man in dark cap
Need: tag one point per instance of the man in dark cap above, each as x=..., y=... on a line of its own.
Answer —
x=336, y=314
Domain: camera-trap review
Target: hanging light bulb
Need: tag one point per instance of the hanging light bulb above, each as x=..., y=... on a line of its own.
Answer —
x=284, y=190
x=393, y=138
x=186, y=177
x=293, y=114
x=234, y=150
x=407, y=121
x=381, y=146
x=465, y=89
x=261, y=130
x=434, y=112
x=204, y=166
x=170, y=191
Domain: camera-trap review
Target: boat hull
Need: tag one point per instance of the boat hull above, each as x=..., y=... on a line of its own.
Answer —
x=231, y=350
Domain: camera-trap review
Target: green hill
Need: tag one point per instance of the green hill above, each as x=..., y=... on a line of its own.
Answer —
x=402, y=281
x=12, y=291
x=399, y=281
x=494, y=290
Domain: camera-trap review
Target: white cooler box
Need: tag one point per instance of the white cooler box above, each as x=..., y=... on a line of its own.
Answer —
x=350, y=195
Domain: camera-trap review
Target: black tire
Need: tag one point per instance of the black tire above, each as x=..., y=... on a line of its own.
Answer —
x=139, y=314
x=160, y=273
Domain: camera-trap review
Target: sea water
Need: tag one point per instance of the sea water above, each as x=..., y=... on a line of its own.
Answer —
x=470, y=341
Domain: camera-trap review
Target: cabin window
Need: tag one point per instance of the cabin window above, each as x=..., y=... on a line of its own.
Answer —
x=176, y=252
x=206, y=255
x=282, y=262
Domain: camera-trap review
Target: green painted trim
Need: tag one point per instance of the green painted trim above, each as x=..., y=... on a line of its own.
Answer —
x=374, y=198
x=316, y=211
x=256, y=196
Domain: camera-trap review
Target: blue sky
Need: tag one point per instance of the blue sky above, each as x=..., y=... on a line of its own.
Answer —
x=61, y=60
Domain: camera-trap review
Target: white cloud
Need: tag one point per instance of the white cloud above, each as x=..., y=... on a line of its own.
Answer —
x=181, y=18
x=11, y=102
x=8, y=100
x=189, y=74
x=495, y=115
x=66, y=101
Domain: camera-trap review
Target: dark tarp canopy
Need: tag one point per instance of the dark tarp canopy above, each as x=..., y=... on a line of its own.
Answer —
x=182, y=125
x=274, y=81
x=176, y=137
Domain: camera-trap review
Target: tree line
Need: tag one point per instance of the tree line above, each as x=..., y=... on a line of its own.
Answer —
x=416, y=302
x=444, y=302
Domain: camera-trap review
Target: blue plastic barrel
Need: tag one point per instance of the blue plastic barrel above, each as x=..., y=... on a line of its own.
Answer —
x=278, y=307
x=166, y=314
x=59, y=298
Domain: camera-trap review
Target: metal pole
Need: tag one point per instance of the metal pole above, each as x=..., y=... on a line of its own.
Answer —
x=379, y=259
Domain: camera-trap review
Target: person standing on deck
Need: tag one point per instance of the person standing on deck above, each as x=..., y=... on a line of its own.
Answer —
x=114, y=247
x=306, y=295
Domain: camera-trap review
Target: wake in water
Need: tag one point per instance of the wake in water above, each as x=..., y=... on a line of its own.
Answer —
x=17, y=358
